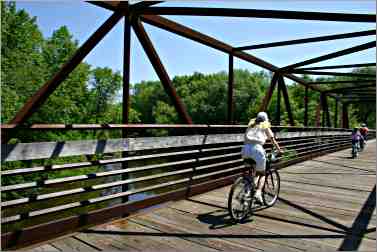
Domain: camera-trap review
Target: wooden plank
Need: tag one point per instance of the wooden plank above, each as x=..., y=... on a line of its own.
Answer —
x=72, y=244
x=144, y=238
x=240, y=234
x=43, y=248
x=166, y=225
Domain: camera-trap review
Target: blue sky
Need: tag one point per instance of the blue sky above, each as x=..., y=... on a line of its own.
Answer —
x=182, y=56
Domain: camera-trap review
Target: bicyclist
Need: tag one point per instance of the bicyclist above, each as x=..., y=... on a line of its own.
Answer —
x=364, y=131
x=356, y=138
x=256, y=134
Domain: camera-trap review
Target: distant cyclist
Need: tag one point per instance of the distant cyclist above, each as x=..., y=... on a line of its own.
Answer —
x=364, y=131
x=259, y=129
x=356, y=139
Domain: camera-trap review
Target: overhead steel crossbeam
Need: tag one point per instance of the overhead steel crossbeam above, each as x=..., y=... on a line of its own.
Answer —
x=341, y=82
x=338, y=66
x=114, y=5
x=299, y=71
x=308, y=40
x=194, y=35
x=255, y=13
x=347, y=51
x=359, y=101
x=345, y=89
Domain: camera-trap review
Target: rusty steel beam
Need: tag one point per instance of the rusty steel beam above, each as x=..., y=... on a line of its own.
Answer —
x=286, y=100
x=323, y=106
x=306, y=100
x=308, y=40
x=115, y=5
x=341, y=82
x=328, y=121
x=318, y=114
x=336, y=113
x=109, y=5
x=126, y=94
x=143, y=4
x=126, y=70
x=45, y=91
x=189, y=33
x=347, y=51
x=228, y=12
x=357, y=99
x=278, y=101
x=269, y=92
x=230, y=89
x=345, y=89
x=160, y=70
x=345, y=122
x=299, y=71
x=338, y=66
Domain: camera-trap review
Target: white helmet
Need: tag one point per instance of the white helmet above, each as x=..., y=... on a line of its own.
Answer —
x=262, y=116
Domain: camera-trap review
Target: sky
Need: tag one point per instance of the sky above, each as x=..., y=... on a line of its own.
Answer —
x=183, y=57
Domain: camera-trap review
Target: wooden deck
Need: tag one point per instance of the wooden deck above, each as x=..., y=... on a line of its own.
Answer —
x=325, y=204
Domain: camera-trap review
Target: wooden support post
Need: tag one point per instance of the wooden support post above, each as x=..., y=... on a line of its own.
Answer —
x=160, y=70
x=230, y=90
x=269, y=92
x=278, y=101
x=126, y=93
x=45, y=91
x=286, y=100
x=306, y=100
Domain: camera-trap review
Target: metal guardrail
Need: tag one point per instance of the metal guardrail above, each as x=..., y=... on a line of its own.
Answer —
x=53, y=188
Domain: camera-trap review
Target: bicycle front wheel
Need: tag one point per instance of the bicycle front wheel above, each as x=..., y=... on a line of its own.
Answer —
x=238, y=204
x=271, y=188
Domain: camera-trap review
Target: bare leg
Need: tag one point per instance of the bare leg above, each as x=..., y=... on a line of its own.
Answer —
x=261, y=182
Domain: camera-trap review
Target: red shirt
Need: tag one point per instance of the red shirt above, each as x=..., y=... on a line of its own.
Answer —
x=363, y=130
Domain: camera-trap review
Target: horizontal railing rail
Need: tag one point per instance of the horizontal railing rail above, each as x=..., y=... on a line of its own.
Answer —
x=53, y=188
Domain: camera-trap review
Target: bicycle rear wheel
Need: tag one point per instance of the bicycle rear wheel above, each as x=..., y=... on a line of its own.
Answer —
x=271, y=188
x=238, y=205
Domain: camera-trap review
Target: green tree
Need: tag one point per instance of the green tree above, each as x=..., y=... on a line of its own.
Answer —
x=104, y=85
x=22, y=66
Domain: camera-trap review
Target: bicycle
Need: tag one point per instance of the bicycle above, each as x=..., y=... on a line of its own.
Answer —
x=244, y=184
x=355, y=149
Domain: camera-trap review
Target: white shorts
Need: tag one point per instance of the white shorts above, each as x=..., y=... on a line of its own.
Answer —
x=257, y=153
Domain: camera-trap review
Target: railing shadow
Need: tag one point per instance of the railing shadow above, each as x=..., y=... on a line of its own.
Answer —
x=218, y=236
x=355, y=235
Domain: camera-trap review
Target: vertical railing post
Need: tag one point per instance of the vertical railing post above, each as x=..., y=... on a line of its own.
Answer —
x=230, y=90
x=306, y=100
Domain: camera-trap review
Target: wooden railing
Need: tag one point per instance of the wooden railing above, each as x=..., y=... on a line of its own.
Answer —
x=54, y=188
